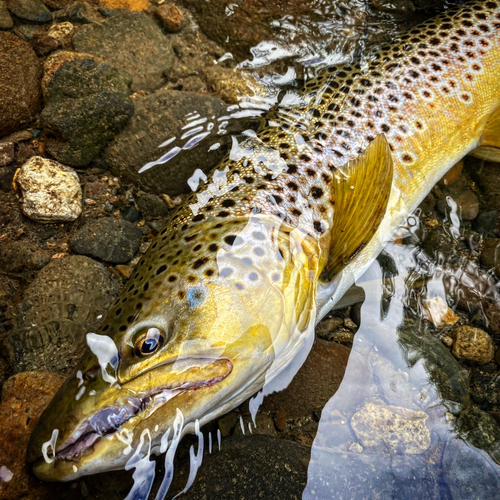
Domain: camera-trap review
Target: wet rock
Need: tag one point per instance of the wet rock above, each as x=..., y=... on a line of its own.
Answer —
x=469, y=205
x=61, y=31
x=45, y=44
x=472, y=344
x=24, y=397
x=63, y=303
x=428, y=204
x=6, y=153
x=30, y=10
x=247, y=468
x=307, y=392
x=151, y=205
x=438, y=311
x=87, y=104
x=479, y=429
x=159, y=117
x=125, y=4
x=486, y=221
x=227, y=423
x=51, y=191
x=132, y=42
x=108, y=239
x=170, y=16
x=439, y=241
x=18, y=255
x=5, y=20
x=490, y=256
x=452, y=175
x=492, y=313
x=396, y=429
x=487, y=175
x=485, y=387
x=78, y=12
x=20, y=74
x=463, y=465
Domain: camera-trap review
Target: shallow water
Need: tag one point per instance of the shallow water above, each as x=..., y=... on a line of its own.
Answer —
x=405, y=422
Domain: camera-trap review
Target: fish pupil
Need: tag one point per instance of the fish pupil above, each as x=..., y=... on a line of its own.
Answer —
x=149, y=346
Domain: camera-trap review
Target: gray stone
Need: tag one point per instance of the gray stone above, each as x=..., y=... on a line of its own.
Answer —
x=20, y=75
x=130, y=41
x=468, y=205
x=6, y=153
x=30, y=10
x=159, y=117
x=63, y=303
x=78, y=12
x=5, y=20
x=486, y=221
x=490, y=256
x=87, y=104
x=108, y=239
x=151, y=205
x=51, y=191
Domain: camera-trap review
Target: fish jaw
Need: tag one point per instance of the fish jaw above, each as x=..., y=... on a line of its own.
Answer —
x=99, y=432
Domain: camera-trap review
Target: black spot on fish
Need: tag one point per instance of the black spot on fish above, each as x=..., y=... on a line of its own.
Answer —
x=198, y=218
x=161, y=269
x=198, y=263
x=172, y=278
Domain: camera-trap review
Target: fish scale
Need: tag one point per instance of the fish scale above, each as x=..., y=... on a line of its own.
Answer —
x=235, y=281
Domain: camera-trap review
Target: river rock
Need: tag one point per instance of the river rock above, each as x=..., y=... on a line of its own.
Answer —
x=78, y=12
x=16, y=256
x=397, y=429
x=87, y=104
x=20, y=74
x=469, y=205
x=108, y=239
x=5, y=20
x=490, y=256
x=158, y=117
x=24, y=397
x=51, y=191
x=64, y=302
x=6, y=153
x=170, y=16
x=472, y=344
x=151, y=205
x=132, y=42
x=30, y=10
x=479, y=429
x=486, y=221
x=125, y=4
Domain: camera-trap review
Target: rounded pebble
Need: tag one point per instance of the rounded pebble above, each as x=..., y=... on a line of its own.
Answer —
x=171, y=17
x=472, y=344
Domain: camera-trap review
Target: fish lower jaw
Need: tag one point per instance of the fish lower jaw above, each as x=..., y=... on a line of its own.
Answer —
x=112, y=419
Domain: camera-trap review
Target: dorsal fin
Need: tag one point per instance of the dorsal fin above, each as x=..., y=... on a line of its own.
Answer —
x=361, y=195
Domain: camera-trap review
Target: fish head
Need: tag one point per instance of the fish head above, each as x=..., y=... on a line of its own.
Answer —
x=196, y=342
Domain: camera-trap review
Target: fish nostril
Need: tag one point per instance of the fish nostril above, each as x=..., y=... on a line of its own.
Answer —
x=91, y=374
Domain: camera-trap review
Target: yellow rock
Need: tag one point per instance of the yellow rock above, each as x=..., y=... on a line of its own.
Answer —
x=125, y=4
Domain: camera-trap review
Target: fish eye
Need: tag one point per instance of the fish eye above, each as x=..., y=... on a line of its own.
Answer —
x=149, y=343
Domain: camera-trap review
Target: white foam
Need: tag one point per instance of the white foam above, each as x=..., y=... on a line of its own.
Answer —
x=106, y=352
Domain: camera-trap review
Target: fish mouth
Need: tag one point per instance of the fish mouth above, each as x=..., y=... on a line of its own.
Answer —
x=111, y=419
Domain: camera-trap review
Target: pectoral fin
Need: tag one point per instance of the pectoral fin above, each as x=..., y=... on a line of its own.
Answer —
x=489, y=144
x=360, y=192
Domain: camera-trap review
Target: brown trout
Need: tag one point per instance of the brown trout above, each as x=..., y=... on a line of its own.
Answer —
x=229, y=292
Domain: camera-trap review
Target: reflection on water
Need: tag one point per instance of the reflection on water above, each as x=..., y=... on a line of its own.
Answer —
x=402, y=424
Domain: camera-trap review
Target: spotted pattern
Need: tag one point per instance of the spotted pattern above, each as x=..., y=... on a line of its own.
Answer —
x=287, y=169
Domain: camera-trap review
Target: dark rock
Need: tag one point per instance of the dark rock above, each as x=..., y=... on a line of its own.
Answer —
x=439, y=241
x=5, y=20
x=463, y=465
x=17, y=256
x=428, y=204
x=490, y=256
x=27, y=31
x=468, y=204
x=131, y=214
x=78, y=12
x=486, y=221
x=6, y=153
x=487, y=175
x=45, y=44
x=24, y=397
x=87, y=104
x=108, y=239
x=170, y=16
x=130, y=41
x=20, y=74
x=492, y=313
x=308, y=391
x=158, y=117
x=63, y=303
x=30, y=10
x=151, y=205
x=485, y=388
x=247, y=468
x=478, y=428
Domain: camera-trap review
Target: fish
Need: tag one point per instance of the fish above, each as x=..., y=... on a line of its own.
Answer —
x=225, y=300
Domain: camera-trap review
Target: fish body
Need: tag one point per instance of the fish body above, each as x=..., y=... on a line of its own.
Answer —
x=229, y=292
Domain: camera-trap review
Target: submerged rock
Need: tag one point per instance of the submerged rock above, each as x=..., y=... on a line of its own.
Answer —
x=51, y=191
x=490, y=256
x=132, y=42
x=24, y=397
x=108, y=239
x=20, y=75
x=472, y=344
x=396, y=429
x=6, y=21
x=63, y=303
x=16, y=256
x=30, y=10
x=88, y=103
x=170, y=16
x=6, y=153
